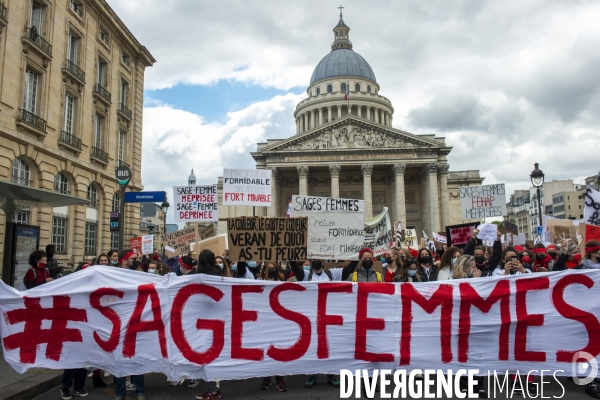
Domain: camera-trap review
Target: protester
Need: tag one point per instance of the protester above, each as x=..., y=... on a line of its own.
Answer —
x=51, y=263
x=447, y=263
x=223, y=263
x=393, y=264
x=510, y=264
x=542, y=261
x=128, y=260
x=113, y=256
x=76, y=378
x=364, y=270
x=38, y=274
x=569, y=260
x=409, y=271
x=186, y=266
x=486, y=266
x=102, y=259
x=161, y=268
x=427, y=270
x=465, y=267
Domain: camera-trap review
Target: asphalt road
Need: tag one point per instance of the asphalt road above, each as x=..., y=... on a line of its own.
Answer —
x=157, y=388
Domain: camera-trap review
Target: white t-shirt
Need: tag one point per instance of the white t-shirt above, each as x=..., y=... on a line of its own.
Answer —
x=336, y=274
x=444, y=274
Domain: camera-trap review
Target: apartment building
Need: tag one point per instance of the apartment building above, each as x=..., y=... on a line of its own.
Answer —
x=568, y=205
x=71, y=94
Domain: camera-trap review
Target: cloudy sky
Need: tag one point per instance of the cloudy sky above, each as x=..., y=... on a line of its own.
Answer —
x=507, y=83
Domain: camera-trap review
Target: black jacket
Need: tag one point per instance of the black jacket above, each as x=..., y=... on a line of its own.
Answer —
x=299, y=271
x=491, y=264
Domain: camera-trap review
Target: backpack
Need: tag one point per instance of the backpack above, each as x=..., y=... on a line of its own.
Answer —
x=327, y=272
x=22, y=287
x=355, y=276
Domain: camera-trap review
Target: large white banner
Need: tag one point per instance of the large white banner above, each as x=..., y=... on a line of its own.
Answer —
x=243, y=187
x=195, y=203
x=129, y=322
x=379, y=235
x=485, y=201
x=335, y=226
x=591, y=213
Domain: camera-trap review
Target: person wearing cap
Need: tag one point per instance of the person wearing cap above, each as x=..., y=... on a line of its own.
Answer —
x=186, y=266
x=542, y=262
x=552, y=251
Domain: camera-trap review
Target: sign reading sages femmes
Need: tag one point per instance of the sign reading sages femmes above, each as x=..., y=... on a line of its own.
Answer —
x=267, y=239
x=178, y=242
x=243, y=187
x=335, y=226
x=195, y=203
x=485, y=201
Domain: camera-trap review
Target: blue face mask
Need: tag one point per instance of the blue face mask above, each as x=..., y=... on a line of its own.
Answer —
x=453, y=261
x=412, y=272
x=234, y=267
x=113, y=262
x=252, y=264
x=306, y=267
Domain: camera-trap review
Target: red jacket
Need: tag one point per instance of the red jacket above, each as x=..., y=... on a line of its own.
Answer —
x=37, y=277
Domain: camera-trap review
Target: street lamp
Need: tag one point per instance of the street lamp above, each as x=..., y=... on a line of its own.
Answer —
x=164, y=207
x=537, y=179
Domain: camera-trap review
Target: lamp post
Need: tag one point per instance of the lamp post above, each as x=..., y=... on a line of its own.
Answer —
x=537, y=179
x=164, y=207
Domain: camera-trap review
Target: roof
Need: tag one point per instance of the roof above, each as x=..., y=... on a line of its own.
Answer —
x=30, y=196
x=342, y=62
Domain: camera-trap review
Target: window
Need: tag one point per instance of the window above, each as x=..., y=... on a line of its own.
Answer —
x=116, y=202
x=20, y=173
x=121, y=146
x=22, y=215
x=114, y=240
x=92, y=196
x=357, y=88
x=102, y=69
x=72, y=51
x=344, y=87
x=368, y=89
x=59, y=234
x=103, y=35
x=77, y=7
x=91, y=230
x=124, y=92
x=31, y=91
x=98, y=130
x=69, y=112
x=329, y=88
x=61, y=184
x=37, y=12
x=125, y=58
x=318, y=91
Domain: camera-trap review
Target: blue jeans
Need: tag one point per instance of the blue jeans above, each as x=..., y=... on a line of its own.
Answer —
x=137, y=380
x=78, y=375
x=212, y=387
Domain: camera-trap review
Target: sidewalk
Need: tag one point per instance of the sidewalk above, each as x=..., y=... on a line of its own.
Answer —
x=14, y=386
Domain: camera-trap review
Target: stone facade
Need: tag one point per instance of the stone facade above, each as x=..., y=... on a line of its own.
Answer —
x=71, y=103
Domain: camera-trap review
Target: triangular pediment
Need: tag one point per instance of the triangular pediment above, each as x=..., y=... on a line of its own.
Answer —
x=351, y=133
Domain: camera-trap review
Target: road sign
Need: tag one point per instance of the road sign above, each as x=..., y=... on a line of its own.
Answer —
x=123, y=174
x=145, y=197
x=114, y=221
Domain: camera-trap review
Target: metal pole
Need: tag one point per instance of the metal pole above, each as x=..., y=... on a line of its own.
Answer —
x=122, y=220
x=539, y=205
x=164, y=231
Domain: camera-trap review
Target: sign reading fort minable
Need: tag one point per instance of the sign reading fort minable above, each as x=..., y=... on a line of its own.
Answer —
x=483, y=201
x=267, y=239
x=242, y=187
x=335, y=226
x=195, y=203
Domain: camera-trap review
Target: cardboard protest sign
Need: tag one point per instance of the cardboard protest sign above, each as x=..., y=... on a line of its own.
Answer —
x=459, y=235
x=510, y=227
x=585, y=233
x=410, y=238
x=336, y=226
x=242, y=187
x=591, y=214
x=439, y=238
x=216, y=244
x=267, y=239
x=518, y=240
x=195, y=203
x=483, y=201
x=559, y=229
x=488, y=232
x=178, y=242
x=207, y=232
x=379, y=235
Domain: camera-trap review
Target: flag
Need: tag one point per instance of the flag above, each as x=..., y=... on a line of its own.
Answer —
x=347, y=94
x=425, y=235
x=399, y=234
x=289, y=212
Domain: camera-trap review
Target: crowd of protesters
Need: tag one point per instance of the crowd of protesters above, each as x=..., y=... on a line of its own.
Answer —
x=398, y=265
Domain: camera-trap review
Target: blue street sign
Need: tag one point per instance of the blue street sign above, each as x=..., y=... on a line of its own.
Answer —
x=539, y=231
x=145, y=197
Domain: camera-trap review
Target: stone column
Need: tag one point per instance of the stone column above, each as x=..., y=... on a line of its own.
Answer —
x=359, y=111
x=335, y=170
x=272, y=211
x=376, y=115
x=305, y=125
x=329, y=114
x=398, y=174
x=425, y=213
x=297, y=126
x=443, y=195
x=434, y=200
x=320, y=116
x=367, y=171
x=303, y=180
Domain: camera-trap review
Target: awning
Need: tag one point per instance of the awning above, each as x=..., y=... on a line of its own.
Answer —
x=17, y=195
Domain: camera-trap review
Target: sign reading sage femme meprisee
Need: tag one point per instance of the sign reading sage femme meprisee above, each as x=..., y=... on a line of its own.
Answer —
x=242, y=187
x=335, y=226
x=485, y=201
x=195, y=203
x=267, y=239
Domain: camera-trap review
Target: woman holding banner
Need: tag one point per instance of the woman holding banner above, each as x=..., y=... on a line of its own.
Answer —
x=394, y=264
x=427, y=269
x=409, y=272
x=447, y=263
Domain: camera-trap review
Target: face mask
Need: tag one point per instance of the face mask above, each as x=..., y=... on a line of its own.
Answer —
x=317, y=265
x=479, y=259
x=412, y=272
x=520, y=255
x=113, y=262
x=252, y=264
x=306, y=267
x=388, y=260
x=453, y=261
x=151, y=271
x=552, y=254
x=41, y=264
x=470, y=274
x=134, y=265
x=272, y=273
x=194, y=261
x=220, y=265
x=234, y=267
x=425, y=259
x=540, y=256
x=367, y=264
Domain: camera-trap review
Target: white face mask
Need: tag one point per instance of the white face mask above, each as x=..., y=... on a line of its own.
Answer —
x=151, y=271
x=306, y=267
x=220, y=265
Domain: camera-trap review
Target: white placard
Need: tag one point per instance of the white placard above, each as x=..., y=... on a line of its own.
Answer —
x=485, y=201
x=410, y=238
x=246, y=187
x=335, y=226
x=195, y=203
x=379, y=235
x=488, y=232
x=147, y=244
x=591, y=214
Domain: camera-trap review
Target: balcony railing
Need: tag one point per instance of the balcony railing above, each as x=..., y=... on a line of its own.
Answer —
x=70, y=140
x=39, y=41
x=20, y=181
x=99, y=154
x=31, y=119
x=123, y=163
x=125, y=111
x=105, y=94
x=75, y=70
x=3, y=11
